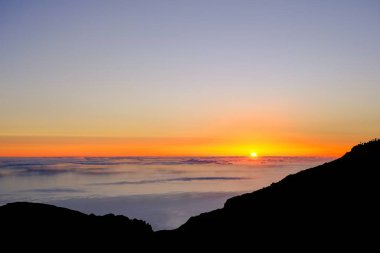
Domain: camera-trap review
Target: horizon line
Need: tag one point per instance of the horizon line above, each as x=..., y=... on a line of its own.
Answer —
x=172, y=156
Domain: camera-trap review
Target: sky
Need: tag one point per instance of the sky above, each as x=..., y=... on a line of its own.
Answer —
x=115, y=78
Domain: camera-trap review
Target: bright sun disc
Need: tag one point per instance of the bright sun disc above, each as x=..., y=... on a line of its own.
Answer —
x=253, y=154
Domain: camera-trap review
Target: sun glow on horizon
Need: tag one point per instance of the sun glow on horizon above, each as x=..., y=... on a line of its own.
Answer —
x=24, y=146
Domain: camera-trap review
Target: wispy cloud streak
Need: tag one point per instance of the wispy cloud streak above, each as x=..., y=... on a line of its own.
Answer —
x=179, y=179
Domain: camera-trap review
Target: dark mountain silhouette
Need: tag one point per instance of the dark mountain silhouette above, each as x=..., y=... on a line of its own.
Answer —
x=45, y=227
x=332, y=206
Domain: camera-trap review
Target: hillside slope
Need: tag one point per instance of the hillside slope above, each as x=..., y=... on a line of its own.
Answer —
x=332, y=204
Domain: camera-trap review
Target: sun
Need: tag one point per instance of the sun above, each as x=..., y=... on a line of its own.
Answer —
x=253, y=154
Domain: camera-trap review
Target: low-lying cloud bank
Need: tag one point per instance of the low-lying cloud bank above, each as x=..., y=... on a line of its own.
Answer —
x=162, y=211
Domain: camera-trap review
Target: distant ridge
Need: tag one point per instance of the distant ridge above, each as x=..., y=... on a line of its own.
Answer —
x=45, y=227
x=331, y=206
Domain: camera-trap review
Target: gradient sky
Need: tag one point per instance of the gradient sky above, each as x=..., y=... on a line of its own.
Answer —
x=188, y=77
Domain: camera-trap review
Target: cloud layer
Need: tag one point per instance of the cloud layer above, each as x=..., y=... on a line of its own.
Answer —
x=92, y=165
x=162, y=211
x=179, y=179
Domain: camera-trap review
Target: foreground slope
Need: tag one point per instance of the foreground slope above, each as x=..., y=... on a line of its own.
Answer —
x=332, y=204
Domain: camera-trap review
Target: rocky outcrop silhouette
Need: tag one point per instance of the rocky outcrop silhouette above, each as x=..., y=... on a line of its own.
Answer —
x=331, y=206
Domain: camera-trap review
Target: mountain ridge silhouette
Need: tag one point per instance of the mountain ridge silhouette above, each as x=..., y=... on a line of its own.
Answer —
x=331, y=204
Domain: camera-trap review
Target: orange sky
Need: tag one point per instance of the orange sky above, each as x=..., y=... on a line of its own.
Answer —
x=232, y=131
x=108, y=146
